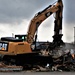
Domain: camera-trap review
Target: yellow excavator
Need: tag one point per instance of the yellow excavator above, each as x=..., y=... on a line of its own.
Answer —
x=18, y=51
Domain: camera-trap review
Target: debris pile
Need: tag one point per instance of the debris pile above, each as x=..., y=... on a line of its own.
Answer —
x=8, y=68
x=63, y=58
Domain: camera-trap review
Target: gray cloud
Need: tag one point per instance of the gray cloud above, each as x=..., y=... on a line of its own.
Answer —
x=69, y=11
x=16, y=10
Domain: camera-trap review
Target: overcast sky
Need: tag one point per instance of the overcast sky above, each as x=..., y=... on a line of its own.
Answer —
x=15, y=16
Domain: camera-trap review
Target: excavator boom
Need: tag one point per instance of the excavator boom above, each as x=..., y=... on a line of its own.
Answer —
x=40, y=17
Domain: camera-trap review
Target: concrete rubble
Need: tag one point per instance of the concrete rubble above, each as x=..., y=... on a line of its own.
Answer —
x=9, y=68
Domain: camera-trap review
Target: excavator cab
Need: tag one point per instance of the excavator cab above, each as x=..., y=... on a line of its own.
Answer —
x=21, y=37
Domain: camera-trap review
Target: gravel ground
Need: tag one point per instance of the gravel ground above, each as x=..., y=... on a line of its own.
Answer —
x=37, y=73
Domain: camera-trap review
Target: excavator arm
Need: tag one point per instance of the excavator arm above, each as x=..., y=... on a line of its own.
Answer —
x=40, y=17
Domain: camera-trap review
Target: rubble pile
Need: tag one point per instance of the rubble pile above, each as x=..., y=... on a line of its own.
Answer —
x=62, y=61
x=63, y=58
x=9, y=68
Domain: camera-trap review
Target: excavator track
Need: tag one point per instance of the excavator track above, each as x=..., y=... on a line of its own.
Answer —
x=23, y=61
